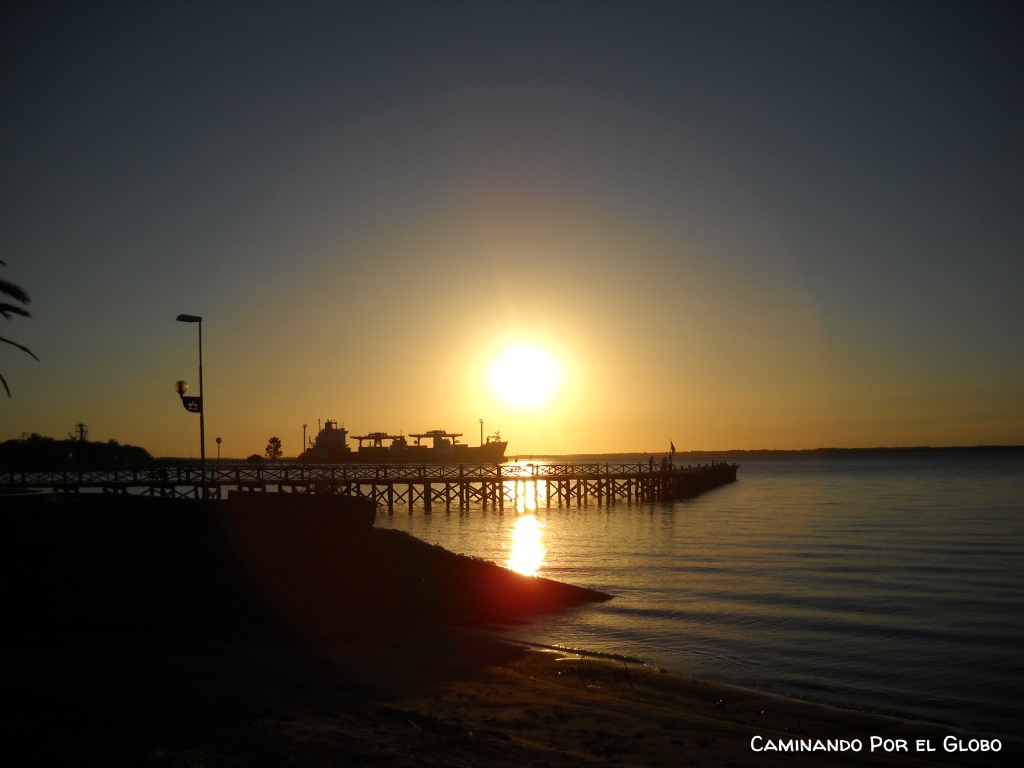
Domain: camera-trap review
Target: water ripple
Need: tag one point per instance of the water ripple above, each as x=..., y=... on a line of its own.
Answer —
x=885, y=583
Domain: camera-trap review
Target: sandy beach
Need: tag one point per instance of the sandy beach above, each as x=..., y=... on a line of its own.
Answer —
x=446, y=697
x=190, y=638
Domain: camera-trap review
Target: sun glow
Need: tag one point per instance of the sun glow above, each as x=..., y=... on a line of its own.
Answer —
x=525, y=376
x=527, y=549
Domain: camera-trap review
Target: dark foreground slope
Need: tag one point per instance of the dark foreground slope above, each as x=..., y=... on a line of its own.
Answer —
x=158, y=633
x=107, y=565
x=172, y=632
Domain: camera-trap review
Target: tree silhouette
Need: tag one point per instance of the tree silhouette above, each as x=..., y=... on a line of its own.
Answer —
x=8, y=310
x=274, y=448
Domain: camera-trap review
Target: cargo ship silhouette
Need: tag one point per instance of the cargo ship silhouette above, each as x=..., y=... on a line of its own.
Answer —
x=434, y=447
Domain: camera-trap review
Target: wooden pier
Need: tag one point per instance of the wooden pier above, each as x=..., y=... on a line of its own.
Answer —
x=424, y=486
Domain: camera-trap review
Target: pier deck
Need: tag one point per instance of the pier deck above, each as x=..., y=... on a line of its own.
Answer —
x=425, y=486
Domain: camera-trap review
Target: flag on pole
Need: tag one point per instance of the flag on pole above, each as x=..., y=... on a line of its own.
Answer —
x=673, y=446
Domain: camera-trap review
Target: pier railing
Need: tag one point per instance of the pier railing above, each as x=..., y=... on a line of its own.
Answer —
x=427, y=485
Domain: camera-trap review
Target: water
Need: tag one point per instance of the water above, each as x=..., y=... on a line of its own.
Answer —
x=889, y=583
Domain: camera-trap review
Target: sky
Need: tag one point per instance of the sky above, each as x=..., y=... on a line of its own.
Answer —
x=727, y=224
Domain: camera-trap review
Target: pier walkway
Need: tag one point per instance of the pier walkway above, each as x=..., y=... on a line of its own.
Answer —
x=426, y=486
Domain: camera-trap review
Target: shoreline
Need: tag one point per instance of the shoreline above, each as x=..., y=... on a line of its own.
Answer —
x=585, y=655
x=825, y=698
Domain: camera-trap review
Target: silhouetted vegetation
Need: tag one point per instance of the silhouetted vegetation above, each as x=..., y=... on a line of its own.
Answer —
x=8, y=310
x=326, y=486
x=37, y=453
x=274, y=448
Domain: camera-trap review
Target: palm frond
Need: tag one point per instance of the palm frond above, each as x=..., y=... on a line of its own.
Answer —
x=9, y=309
x=19, y=346
x=16, y=292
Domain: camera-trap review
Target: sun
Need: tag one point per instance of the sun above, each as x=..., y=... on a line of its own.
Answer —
x=525, y=376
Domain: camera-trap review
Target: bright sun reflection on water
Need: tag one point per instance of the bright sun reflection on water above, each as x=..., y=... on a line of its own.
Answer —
x=527, y=549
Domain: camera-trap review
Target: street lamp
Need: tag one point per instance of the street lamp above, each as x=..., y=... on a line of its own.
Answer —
x=195, y=404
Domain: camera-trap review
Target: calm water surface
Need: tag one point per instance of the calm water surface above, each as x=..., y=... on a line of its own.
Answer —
x=890, y=583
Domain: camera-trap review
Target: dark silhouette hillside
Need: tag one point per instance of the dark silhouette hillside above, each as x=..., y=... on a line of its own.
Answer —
x=96, y=565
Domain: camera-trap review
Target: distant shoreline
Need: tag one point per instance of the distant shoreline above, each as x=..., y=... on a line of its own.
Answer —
x=771, y=452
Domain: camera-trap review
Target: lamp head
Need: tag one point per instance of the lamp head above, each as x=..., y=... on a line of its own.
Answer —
x=189, y=319
x=180, y=387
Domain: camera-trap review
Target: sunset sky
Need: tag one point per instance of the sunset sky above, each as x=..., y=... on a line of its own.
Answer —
x=725, y=224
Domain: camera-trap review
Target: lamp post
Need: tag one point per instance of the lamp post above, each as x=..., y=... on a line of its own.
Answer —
x=195, y=406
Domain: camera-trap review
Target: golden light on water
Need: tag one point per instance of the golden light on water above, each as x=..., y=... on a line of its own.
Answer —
x=527, y=551
x=526, y=491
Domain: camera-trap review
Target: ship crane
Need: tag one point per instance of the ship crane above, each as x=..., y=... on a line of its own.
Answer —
x=377, y=438
x=438, y=435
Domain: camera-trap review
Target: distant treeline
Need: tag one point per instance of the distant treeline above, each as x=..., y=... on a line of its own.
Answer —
x=833, y=451
x=37, y=453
